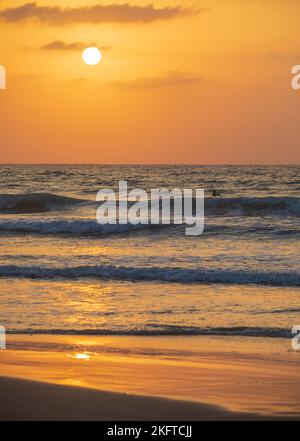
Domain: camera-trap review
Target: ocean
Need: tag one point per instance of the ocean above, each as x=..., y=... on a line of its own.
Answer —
x=62, y=273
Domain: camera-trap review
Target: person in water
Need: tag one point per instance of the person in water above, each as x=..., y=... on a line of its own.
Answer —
x=215, y=193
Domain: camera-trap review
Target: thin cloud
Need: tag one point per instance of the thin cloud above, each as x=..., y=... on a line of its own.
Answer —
x=59, y=45
x=282, y=56
x=114, y=13
x=30, y=76
x=79, y=81
x=171, y=79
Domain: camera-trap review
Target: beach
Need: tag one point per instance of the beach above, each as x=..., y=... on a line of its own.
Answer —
x=149, y=211
x=113, y=378
x=146, y=310
x=57, y=403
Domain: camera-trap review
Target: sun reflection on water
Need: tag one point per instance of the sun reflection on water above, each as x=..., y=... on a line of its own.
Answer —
x=81, y=356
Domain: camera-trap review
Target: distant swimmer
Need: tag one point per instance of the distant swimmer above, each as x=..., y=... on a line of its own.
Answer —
x=216, y=193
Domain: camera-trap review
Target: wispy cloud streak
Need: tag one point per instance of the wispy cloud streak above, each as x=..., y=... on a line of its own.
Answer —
x=97, y=14
x=168, y=80
x=60, y=45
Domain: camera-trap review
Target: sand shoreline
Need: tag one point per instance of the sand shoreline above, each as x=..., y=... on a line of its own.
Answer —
x=24, y=400
x=115, y=379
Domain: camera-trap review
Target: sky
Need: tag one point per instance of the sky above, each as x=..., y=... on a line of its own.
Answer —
x=185, y=81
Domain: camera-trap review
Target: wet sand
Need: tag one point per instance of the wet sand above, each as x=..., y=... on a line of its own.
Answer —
x=113, y=378
x=24, y=400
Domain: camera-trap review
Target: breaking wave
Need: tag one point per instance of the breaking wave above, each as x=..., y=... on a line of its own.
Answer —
x=271, y=206
x=80, y=227
x=167, y=330
x=35, y=203
x=90, y=228
x=154, y=274
x=43, y=202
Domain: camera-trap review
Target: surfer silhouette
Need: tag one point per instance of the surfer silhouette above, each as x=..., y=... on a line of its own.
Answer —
x=215, y=193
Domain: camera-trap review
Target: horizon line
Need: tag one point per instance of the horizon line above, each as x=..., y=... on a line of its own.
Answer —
x=157, y=164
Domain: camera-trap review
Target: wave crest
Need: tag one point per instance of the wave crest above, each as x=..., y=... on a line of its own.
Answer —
x=34, y=203
x=79, y=227
x=168, y=330
x=155, y=274
x=43, y=202
x=284, y=206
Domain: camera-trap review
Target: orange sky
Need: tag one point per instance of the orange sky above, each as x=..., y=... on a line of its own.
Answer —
x=185, y=81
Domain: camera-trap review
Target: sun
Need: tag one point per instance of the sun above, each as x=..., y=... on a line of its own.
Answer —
x=91, y=56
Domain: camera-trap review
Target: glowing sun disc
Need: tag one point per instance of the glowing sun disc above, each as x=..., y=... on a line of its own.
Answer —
x=91, y=56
